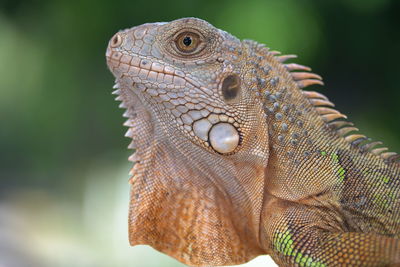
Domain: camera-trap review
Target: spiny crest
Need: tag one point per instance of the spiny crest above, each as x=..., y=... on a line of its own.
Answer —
x=135, y=158
x=129, y=122
x=334, y=119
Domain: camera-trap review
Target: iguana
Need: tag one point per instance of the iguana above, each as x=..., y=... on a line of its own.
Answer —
x=234, y=159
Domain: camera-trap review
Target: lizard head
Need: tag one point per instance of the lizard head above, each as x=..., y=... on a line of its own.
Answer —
x=190, y=74
x=200, y=136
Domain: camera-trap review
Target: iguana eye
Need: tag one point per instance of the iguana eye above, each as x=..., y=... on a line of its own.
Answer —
x=188, y=42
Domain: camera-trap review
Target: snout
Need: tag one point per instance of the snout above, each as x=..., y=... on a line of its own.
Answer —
x=126, y=45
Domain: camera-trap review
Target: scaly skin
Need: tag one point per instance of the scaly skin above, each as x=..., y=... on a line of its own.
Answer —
x=233, y=159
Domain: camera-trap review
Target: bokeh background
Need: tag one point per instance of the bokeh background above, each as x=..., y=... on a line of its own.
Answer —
x=63, y=165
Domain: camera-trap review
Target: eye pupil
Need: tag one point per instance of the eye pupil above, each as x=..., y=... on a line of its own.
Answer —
x=187, y=41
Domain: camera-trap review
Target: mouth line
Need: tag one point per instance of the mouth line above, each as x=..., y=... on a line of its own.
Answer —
x=144, y=71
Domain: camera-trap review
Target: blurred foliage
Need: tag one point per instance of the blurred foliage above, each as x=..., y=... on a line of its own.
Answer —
x=61, y=136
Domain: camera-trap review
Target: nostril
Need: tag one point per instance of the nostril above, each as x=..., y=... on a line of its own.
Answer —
x=116, y=40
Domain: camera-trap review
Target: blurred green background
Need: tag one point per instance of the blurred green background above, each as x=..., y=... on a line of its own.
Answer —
x=64, y=168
